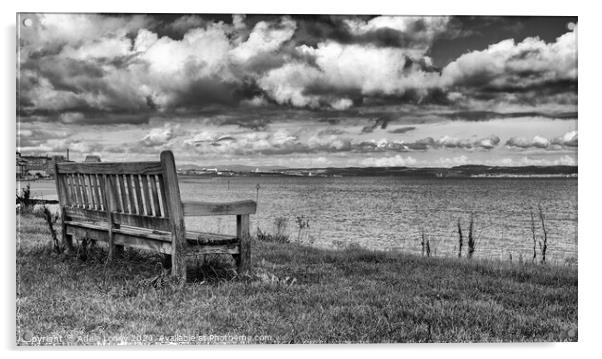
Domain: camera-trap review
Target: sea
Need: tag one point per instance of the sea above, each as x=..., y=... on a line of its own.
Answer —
x=398, y=214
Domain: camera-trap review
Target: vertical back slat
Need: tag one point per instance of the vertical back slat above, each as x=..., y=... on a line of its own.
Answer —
x=92, y=186
x=130, y=190
x=112, y=179
x=126, y=206
x=145, y=191
x=107, y=187
x=155, y=195
x=71, y=187
x=82, y=187
x=100, y=190
x=163, y=196
x=136, y=180
x=75, y=189
x=89, y=189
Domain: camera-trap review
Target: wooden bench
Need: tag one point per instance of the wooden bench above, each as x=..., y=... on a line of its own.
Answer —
x=137, y=204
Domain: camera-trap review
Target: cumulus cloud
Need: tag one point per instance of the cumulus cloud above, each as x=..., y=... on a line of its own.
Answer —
x=508, y=65
x=568, y=139
x=264, y=38
x=394, y=161
x=535, y=142
x=158, y=136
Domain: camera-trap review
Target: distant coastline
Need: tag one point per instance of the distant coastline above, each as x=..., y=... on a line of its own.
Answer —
x=465, y=171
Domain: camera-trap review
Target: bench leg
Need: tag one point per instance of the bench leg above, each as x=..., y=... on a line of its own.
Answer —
x=67, y=238
x=243, y=260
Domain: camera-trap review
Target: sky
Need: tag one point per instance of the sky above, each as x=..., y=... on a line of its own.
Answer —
x=299, y=90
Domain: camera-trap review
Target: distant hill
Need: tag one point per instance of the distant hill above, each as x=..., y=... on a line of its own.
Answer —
x=464, y=171
x=457, y=172
x=235, y=168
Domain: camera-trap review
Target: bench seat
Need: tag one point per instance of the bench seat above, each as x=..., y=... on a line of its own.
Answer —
x=99, y=231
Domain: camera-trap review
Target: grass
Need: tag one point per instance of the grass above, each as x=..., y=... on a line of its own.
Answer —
x=297, y=294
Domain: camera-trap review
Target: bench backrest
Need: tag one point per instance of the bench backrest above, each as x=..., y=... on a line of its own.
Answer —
x=134, y=193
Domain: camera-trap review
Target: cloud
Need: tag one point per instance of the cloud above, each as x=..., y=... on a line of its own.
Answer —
x=452, y=142
x=264, y=38
x=158, y=136
x=569, y=139
x=511, y=66
x=393, y=161
x=132, y=67
x=414, y=33
x=535, y=142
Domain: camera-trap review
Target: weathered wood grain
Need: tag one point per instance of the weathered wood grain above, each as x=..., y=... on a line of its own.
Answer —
x=123, y=194
x=155, y=195
x=115, y=199
x=164, y=206
x=146, y=193
x=126, y=219
x=138, y=192
x=243, y=260
x=82, y=186
x=176, y=214
x=193, y=208
x=121, y=239
x=67, y=238
x=107, y=186
x=88, y=182
x=122, y=168
x=130, y=190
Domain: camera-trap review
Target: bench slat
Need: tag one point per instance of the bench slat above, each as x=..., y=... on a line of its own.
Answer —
x=90, y=188
x=155, y=195
x=130, y=190
x=139, y=168
x=125, y=208
x=192, y=237
x=163, y=196
x=146, y=192
x=138, y=192
x=124, y=239
x=88, y=215
x=218, y=209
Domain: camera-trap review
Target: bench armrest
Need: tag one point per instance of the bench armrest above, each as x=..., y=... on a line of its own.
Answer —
x=194, y=208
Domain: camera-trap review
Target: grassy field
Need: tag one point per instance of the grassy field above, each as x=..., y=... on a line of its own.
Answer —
x=297, y=294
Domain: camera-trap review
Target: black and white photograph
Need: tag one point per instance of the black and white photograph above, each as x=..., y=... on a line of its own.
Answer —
x=273, y=178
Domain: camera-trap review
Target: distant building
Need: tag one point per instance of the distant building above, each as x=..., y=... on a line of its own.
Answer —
x=21, y=166
x=37, y=166
x=92, y=158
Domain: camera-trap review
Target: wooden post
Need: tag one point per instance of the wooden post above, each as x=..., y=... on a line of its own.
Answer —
x=176, y=215
x=67, y=238
x=64, y=200
x=243, y=260
x=108, y=186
